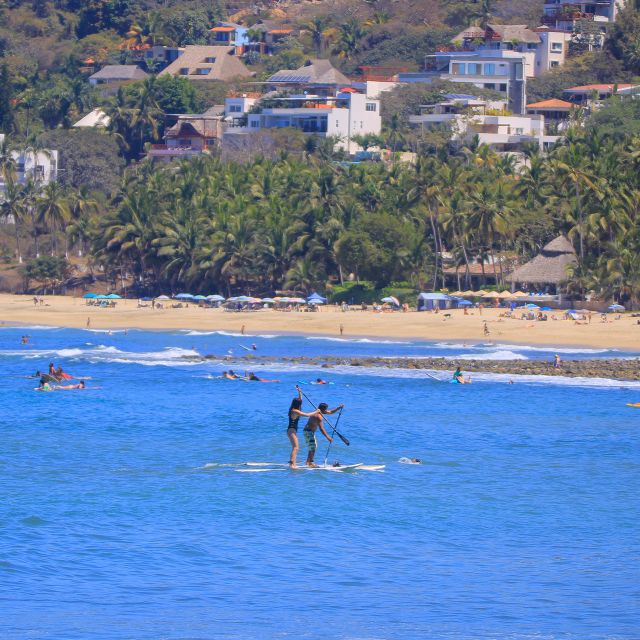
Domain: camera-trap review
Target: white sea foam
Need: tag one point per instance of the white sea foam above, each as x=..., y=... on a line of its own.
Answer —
x=34, y=327
x=496, y=355
x=357, y=340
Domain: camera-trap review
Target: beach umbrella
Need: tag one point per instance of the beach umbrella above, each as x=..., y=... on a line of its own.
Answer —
x=268, y=300
x=392, y=300
x=102, y=297
x=199, y=297
x=490, y=294
x=184, y=296
x=163, y=297
x=530, y=305
x=546, y=309
x=90, y=295
x=297, y=300
x=615, y=307
x=215, y=298
x=457, y=293
x=520, y=294
x=465, y=303
x=114, y=296
x=468, y=294
x=481, y=292
x=504, y=294
x=146, y=299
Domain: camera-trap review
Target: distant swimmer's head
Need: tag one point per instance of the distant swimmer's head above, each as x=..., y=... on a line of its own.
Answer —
x=323, y=406
x=296, y=403
x=82, y=385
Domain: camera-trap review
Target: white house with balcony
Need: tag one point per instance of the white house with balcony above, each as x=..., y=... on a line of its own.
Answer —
x=237, y=105
x=542, y=48
x=563, y=14
x=343, y=116
x=468, y=116
x=502, y=71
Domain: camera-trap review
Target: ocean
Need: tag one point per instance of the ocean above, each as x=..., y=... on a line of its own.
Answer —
x=124, y=516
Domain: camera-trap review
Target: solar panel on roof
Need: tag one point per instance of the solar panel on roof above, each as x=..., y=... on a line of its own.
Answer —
x=460, y=96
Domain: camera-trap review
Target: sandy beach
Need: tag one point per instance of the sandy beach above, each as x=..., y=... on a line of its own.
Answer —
x=623, y=333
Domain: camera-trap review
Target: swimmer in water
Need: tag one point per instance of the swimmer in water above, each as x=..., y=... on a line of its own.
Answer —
x=320, y=381
x=80, y=385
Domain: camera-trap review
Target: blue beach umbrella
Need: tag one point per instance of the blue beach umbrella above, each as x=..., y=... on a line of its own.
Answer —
x=199, y=297
x=90, y=295
x=530, y=305
x=102, y=297
x=242, y=299
x=465, y=303
x=215, y=298
x=615, y=307
x=546, y=309
x=114, y=296
x=184, y=296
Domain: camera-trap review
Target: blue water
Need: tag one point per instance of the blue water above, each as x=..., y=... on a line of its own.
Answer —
x=117, y=520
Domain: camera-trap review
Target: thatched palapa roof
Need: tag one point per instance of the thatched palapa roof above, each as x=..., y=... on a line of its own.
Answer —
x=549, y=266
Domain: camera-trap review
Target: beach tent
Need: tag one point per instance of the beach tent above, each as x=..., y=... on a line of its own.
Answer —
x=90, y=295
x=430, y=301
x=391, y=300
x=316, y=297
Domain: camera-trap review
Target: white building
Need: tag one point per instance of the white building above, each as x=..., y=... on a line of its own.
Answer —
x=563, y=14
x=237, y=105
x=499, y=70
x=344, y=115
x=468, y=116
x=40, y=167
x=542, y=48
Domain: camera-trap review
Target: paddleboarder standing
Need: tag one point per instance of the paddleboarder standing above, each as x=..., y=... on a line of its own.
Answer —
x=315, y=422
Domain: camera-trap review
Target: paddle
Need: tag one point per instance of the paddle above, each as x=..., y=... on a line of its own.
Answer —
x=334, y=428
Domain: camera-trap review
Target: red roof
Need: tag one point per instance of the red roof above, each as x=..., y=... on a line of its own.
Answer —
x=599, y=87
x=278, y=31
x=554, y=103
x=223, y=29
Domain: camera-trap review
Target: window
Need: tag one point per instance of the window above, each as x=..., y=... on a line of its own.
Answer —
x=532, y=46
x=519, y=131
x=201, y=71
x=555, y=63
x=458, y=69
x=489, y=85
x=184, y=71
x=235, y=108
x=490, y=69
x=39, y=172
x=371, y=106
x=474, y=69
x=503, y=87
x=556, y=46
x=255, y=124
x=210, y=59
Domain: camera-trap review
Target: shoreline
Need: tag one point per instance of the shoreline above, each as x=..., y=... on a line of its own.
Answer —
x=448, y=326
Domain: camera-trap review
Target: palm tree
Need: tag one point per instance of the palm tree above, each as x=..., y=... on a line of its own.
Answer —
x=81, y=207
x=320, y=31
x=53, y=211
x=349, y=36
x=13, y=209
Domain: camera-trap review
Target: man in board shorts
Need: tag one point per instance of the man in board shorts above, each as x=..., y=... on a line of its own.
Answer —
x=316, y=421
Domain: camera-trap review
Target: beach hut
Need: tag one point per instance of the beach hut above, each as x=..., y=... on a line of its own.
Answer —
x=429, y=301
x=549, y=268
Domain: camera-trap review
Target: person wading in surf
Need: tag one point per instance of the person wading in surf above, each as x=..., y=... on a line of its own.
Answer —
x=316, y=421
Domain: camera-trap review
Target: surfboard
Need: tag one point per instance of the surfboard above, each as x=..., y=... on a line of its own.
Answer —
x=322, y=467
x=634, y=404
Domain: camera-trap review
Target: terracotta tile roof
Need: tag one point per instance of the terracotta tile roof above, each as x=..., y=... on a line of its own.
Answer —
x=554, y=103
x=279, y=31
x=223, y=29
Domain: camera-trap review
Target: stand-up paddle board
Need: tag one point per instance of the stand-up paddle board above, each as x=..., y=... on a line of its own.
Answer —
x=303, y=467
